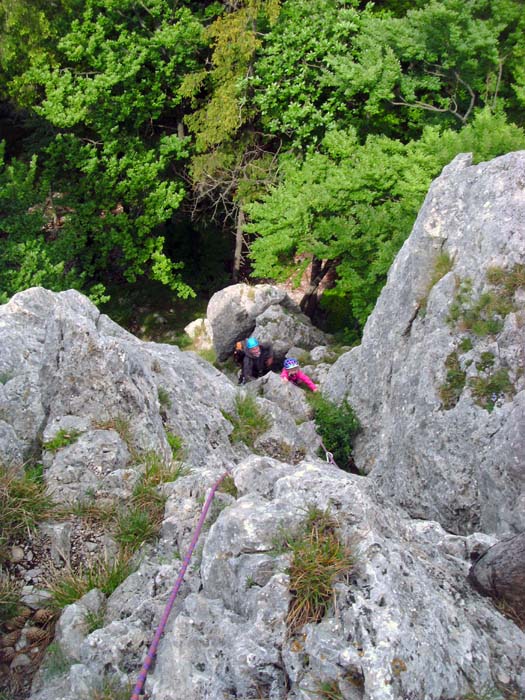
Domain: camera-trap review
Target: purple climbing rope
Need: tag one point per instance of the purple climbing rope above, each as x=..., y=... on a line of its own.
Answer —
x=162, y=624
x=329, y=455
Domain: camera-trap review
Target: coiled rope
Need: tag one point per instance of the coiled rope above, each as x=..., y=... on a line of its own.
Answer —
x=162, y=624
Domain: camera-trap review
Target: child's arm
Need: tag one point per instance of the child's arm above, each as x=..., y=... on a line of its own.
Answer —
x=302, y=377
x=284, y=375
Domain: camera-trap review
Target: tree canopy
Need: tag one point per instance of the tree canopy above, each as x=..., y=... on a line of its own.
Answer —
x=308, y=131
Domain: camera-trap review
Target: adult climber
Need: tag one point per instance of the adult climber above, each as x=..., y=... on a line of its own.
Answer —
x=256, y=361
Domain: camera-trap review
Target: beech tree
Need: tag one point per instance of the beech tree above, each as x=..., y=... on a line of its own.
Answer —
x=349, y=207
x=113, y=105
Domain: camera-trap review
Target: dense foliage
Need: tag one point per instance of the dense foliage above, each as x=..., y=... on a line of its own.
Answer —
x=307, y=130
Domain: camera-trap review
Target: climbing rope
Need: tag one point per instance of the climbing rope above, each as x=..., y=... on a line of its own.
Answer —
x=162, y=624
x=329, y=455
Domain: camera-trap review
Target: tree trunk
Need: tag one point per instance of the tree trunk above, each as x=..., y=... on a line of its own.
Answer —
x=500, y=572
x=239, y=240
x=310, y=300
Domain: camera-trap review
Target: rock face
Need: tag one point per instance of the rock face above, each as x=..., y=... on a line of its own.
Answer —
x=438, y=381
x=263, y=310
x=403, y=623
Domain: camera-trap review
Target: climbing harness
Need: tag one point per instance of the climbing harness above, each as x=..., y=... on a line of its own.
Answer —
x=162, y=624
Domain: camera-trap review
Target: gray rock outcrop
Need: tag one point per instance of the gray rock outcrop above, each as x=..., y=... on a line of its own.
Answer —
x=403, y=621
x=438, y=381
x=264, y=310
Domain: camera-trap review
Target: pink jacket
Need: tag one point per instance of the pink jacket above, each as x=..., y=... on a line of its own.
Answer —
x=298, y=377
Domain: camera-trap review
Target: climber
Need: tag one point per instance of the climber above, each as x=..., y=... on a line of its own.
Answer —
x=292, y=373
x=256, y=359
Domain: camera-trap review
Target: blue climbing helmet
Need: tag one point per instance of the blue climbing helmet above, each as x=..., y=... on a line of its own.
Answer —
x=290, y=363
x=252, y=343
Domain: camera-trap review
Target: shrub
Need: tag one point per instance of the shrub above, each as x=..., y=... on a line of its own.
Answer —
x=337, y=426
x=164, y=397
x=487, y=390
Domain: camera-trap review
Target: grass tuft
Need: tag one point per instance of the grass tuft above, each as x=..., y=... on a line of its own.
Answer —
x=23, y=504
x=318, y=560
x=67, y=585
x=63, y=438
x=228, y=486
x=10, y=591
x=249, y=423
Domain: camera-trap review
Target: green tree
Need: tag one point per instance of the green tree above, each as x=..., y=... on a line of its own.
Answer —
x=441, y=61
x=28, y=256
x=351, y=206
x=230, y=159
x=114, y=105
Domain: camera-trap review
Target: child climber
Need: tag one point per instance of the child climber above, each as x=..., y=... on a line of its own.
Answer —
x=292, y=373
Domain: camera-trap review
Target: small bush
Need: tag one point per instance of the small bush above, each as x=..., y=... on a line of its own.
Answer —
x=337, y=426
x=62, y=439
x=487, y=390
x=249, y=423
x=318, y=560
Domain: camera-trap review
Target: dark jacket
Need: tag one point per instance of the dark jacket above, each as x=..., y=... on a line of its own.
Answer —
x=253, y=367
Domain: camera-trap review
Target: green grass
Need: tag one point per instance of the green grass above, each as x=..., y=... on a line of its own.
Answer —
x=176, y=444
x=67, y=585
x=63, y=438
x=94, y=620
x=112, y=689
x=249, y=423
x=10, y=591
x=485, y=314
x=329, y=690
x=228, y=486
x=135, y=526
x=487, y=390
x=55, y=662
x=23, y=504
x=164, y=397
x=455, y=380
x=318, y=561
